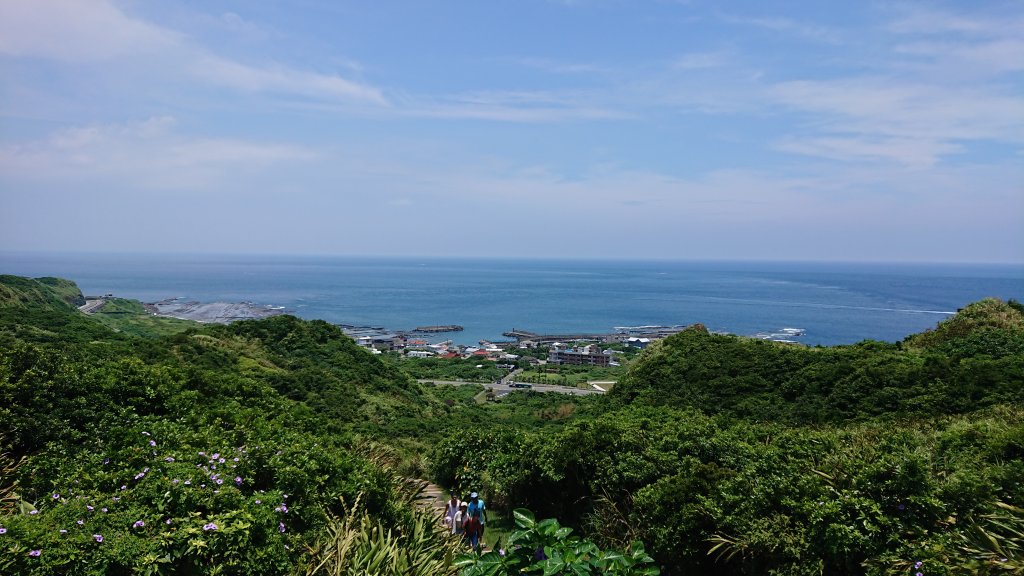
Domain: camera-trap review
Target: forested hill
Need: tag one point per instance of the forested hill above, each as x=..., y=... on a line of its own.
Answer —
x=308, y=361
x=971, y=360
x=235, y=449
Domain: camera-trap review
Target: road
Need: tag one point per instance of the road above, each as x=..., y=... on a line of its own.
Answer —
x=506, y=387
x=91, y=306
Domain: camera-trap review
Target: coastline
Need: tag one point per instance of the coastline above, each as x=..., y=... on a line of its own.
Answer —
x=211, y=312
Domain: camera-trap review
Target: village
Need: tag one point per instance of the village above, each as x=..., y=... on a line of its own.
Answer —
x=602, y=350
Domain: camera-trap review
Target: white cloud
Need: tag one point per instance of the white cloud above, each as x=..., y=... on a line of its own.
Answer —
x=77, y=31
x=95, y=31
x=282, y=79
x=144, y=155
x=788, y=26
x=513, y=106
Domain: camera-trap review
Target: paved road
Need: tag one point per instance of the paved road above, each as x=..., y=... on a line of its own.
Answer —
x=91, y=306
x=506, y=387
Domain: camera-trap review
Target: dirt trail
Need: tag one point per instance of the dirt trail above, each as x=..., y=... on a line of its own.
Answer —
x=434, y=497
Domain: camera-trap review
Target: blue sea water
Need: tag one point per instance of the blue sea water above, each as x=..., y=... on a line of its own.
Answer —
x=834, y=303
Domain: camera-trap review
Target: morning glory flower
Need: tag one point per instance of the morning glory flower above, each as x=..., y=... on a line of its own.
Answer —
x=35, y=553
x=169, y=459
x=63, y=531
x=280, y=527
x=80, y=522
x=33, y=512
x=238, y=480
x=210, y=526
x=89, y=507
x=3, y=530
x=152, y=443
x=56, y=496
x=97, y=537
x=138, y=524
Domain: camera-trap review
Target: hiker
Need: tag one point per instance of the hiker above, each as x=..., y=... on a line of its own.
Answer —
x=472, y=529
x=451, y=508
x=459, y=520
x=477, y=509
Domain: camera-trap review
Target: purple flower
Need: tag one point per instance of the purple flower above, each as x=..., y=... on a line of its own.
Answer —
x=202, y=453
x=33, y=512
x=219, y=481
x=138, y=524
x=175, y=481
x=56, y=496
x=202, y=485
x=236, y=457
x=3, y=530
x=35, y=553
x=221, y=461
x=123, y=487
x=140, y=475
x=215, y=455
x=901, y=507
x=63, y=531
x=144, y=433
x=116, y=499
x=89, y=507
x=238, y=480
x=259, y=501
x=152, y=443
x=210, y=526
x=80, y=522
x=918, y=564
x=104, y=510
x=919, y=574
x=97, y=537
x=168, y=521
x=169, y=459
x=106, y=460
x=188, y=482
x=280, y=527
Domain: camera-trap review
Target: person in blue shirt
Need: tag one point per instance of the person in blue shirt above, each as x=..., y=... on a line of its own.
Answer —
x=477, y=509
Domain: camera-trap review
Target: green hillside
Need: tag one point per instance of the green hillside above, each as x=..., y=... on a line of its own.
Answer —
x=278, y=446
x=971, y=360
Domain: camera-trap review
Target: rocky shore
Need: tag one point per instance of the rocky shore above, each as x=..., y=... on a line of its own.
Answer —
x=212, y=312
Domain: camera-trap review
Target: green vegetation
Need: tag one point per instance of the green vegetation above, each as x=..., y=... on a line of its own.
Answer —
x=280, y=447
x=570, y=375
x=450, y=369
x=130, y=317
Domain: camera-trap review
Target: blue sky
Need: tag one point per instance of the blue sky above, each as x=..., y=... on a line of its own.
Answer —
x=577, y=128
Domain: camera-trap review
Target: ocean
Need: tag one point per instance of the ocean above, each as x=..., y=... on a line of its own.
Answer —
x=838, y=303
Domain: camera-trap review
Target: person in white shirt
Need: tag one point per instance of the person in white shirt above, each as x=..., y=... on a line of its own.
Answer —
x=450, y=509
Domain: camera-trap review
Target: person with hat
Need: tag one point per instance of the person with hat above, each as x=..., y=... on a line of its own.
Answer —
x=478, y=510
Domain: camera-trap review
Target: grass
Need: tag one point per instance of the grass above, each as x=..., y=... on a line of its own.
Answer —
x=130, y=317
x=498, y=530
